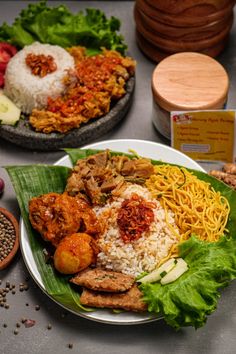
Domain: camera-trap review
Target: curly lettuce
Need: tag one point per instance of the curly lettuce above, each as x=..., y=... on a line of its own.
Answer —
x=188, y=300
x=57, y=25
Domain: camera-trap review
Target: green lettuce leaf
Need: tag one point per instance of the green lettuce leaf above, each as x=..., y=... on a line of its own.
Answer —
x=57, y=25
x=193, y=296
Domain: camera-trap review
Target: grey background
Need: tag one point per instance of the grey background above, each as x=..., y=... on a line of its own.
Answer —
x=216, y=337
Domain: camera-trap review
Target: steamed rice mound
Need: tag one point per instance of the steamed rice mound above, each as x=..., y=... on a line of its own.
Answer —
x=143, y=254
x=28, y=91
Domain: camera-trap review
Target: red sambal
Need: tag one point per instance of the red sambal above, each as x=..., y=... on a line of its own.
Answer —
x=134, y=217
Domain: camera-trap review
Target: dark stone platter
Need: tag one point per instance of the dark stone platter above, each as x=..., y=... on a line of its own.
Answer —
x=23, y=135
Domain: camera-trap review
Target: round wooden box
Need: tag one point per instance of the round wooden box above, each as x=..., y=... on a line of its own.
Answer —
x=186, y=82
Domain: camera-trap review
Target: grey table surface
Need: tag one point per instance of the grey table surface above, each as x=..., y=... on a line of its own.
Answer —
x=216, y=337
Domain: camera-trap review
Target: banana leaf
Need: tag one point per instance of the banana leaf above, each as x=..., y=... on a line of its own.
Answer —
x=34, y=180
x=30, y=181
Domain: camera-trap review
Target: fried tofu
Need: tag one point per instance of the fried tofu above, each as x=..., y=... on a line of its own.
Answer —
x=103, y=280
x=130, y=300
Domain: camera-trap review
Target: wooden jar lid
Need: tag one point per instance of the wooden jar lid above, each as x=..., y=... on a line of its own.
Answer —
x=190, y=81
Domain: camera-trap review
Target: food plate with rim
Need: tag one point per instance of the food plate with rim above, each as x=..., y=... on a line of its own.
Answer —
x=143, y=148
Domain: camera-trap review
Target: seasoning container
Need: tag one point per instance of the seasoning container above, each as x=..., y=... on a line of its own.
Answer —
x=186, y=82
x=9, y=237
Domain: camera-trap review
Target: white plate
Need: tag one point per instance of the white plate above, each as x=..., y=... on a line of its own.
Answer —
x=144, y=148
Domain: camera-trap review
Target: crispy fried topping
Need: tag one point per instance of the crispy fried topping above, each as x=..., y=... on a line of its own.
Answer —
x=41, y=64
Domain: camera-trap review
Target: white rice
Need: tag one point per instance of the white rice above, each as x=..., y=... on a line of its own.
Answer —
x=29, y=91
x=144, y=254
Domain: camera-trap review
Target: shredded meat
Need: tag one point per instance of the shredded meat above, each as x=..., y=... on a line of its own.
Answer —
x=103, y=280
x=56, y=216
x=46, y=121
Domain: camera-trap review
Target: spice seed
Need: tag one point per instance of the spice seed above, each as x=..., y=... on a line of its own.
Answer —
x=70, y=345
x=16, y=331
x=7, y=238
x=49, y=326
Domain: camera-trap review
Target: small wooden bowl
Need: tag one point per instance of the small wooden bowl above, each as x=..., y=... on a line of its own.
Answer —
x=174, y=46
x=15, y=248
x=189, y=7
x=182, y=33
x=157, y=54
x=183, y=21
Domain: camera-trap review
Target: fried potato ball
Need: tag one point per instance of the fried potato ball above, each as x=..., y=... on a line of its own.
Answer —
x=74, y=253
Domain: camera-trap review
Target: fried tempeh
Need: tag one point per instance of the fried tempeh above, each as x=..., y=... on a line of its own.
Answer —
x=130, y=300
x=103, y=280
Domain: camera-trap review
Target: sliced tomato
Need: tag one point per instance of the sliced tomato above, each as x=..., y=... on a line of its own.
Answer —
x=1, y=80
x=4, y=56
x=3, y=67
x=8, y=48
x=6, y=52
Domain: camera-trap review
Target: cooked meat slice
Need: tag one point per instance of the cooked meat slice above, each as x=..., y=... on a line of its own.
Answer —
x=117, y=162
x=130, y=300
x=55, y=216
x=137, y=168
x=100, y=159
x=103, y=280
x=110, y=184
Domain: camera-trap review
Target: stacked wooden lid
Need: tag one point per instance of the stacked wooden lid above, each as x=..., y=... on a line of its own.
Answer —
x=165, y=27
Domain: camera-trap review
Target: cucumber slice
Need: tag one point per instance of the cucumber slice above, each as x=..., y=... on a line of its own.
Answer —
x=180, y=268
x=9, y=113
x=158, y=273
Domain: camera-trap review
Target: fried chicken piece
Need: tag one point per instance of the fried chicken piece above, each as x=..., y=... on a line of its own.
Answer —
x=103, y=280
x=55, y=216
x=130, y=300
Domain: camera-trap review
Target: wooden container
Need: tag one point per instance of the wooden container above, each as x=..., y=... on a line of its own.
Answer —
x=156, y=54
x=188, y=33
x=189, y=7
x=184, y=20
x=173, y=46
x=185, y=82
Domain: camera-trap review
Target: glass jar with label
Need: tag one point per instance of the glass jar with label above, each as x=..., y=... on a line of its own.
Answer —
x=187, y=81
